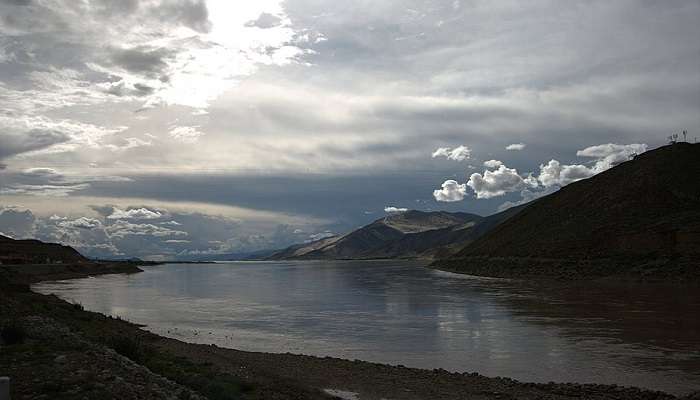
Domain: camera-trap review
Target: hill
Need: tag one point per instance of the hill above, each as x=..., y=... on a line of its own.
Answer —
x=410, y=234
x=37, y=252
x=641, y=217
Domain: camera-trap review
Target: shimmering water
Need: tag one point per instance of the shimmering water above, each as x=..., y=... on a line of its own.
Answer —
x=400, y=313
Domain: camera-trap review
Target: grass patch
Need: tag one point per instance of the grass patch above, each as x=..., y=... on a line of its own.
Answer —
x=199, y=377
x=131, y=347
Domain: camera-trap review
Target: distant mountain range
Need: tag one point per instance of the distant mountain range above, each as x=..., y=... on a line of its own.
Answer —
x=37, y=252
x=410, y=234
x=641, y=217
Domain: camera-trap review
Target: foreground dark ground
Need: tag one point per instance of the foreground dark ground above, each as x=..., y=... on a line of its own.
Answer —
x=55, y=350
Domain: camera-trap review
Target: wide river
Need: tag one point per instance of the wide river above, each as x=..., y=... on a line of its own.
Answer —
x=397, y=312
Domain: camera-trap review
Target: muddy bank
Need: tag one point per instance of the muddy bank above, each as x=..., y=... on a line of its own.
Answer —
x=67, y=352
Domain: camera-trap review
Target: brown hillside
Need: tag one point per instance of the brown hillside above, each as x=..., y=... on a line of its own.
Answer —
x=645, y=208
x=36, y=252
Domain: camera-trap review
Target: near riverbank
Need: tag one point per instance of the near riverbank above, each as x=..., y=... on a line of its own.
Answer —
x=55, y=350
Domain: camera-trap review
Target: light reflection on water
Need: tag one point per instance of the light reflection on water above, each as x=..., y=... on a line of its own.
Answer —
x=399, y=313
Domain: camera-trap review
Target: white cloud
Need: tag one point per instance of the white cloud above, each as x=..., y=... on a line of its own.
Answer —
x=451, y=191
x=135, y=213
x=498, y=182
x=129, y=143
x=121, y=229
x=318, y=236
x=81, y=223
x=515, y=147
x=171, y=223
x=492, y=164
x=392, y=209
x=555, y=174
x=460, y=153
x=186, y=134
x=606, y=156
x=610, y=154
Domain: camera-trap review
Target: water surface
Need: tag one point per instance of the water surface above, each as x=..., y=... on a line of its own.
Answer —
x=397, y=312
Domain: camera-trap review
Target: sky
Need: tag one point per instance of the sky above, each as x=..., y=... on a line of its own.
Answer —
x=176, y=129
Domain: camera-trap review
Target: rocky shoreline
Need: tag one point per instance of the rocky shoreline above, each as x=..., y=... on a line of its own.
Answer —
x=65, y=352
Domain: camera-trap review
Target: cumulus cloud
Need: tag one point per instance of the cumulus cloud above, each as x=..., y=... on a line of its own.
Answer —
x=502, y=180
x=606, y=156
x=459, y=153
x=492, y=163
x=498, y=182
x=135, y=213
x=81, y=223
x=515, y=147
x=610, y=154
x=121, y=229
x=451, y=191
x=555, y=174
x=392, y=209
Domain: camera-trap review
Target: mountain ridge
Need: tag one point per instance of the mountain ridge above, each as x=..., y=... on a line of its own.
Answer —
x=639, y=217
x=409, y=234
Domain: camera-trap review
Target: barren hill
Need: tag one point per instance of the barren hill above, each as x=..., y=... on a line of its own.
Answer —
x=642, y=216
x=37, y=252
x=410, y=234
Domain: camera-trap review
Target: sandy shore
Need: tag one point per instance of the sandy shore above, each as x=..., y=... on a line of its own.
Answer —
x=69, y=353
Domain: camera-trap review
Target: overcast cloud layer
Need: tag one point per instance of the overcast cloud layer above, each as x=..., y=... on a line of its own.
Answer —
x=174, y=128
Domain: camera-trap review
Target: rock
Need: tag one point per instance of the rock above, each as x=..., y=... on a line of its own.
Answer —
x=60, y=359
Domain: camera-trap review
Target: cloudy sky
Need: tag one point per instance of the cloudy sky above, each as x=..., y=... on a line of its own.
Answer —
x=179, y=128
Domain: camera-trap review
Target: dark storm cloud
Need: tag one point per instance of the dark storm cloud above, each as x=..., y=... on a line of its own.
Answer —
x=141, y=60
x=17, y=2
x=17, y=142
x=191, y=13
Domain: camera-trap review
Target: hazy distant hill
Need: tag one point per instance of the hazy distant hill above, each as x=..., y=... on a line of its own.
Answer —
x=37, y=252
x=400, y=235
x=640, y=217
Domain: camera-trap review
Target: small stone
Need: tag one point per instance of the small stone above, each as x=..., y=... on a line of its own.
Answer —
x=60, y=359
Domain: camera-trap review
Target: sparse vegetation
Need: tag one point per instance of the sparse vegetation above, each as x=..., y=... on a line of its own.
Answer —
x=131, y=347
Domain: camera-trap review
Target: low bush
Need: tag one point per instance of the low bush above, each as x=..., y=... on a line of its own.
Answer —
x=131, y=347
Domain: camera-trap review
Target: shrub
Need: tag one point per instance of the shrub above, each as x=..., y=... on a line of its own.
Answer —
x=131, y=347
